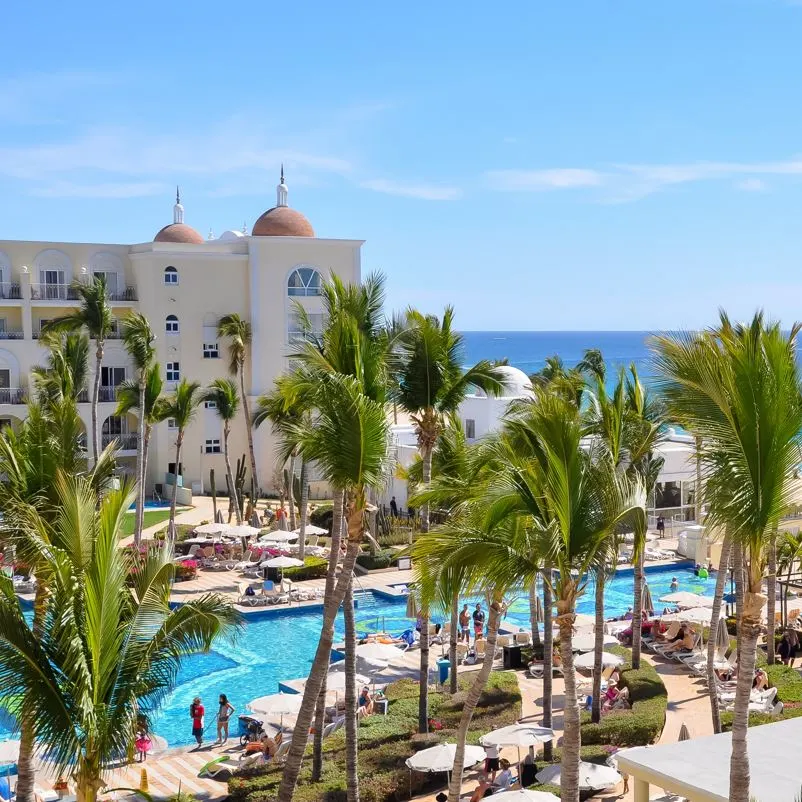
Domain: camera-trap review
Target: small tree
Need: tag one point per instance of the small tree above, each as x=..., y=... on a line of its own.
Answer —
x=223, y=392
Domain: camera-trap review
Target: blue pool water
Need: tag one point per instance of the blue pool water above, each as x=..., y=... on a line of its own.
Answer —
x=150, y=504
x=280, y=645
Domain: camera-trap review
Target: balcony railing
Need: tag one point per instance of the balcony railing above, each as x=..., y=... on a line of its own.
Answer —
x=12, y=395
x=125, y=442
x=107, y=394
x=82, y=397
x=10, y=334
x=124, y=294
x=53, y=292
x=10, y=292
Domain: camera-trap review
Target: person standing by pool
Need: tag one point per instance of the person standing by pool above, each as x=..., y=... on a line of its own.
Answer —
x=464, y=624
x=196, y=711
x=478, y=622
x=223, y=715
x=674, y=584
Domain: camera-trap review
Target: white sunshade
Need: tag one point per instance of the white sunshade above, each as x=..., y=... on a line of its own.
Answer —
x=586, y=641
x=441, y=757
x=588, y=659
x=696, y=615
x=525, y=795
x=281, y=561
x=9, y=751
x=385, y=652
x=335, y=681
x=243, y=530
x=212, y=529
x=683, y=598
x=279, y=537
x=364, y=665
x=311, y=529
x=276, y=704
x=518, y=735
x=592, y=776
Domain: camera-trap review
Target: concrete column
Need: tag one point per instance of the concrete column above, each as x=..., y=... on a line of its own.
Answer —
x=641, y=791
x=25, y=291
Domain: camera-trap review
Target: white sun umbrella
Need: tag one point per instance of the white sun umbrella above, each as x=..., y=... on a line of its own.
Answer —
x=588, y=659
x=525, y=795
x=385, y=652
x=586, y=641
x=212, y=529
x=695, y=615
x=685, y=599
x=592, y=776
x=335, y=680
x=282, y=561
x=518, y=735
x=279, y=537
x=9, y=751
x=276, y=704
x=441, y=757
x=243, y=530
x=311, y=529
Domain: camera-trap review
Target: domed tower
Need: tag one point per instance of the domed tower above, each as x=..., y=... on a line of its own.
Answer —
x=178, y=230
x=281, y=221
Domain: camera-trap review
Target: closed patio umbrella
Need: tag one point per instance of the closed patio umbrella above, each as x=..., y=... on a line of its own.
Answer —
x=648, y=604
x=684, y=735
x=412, y=605
x=219, y=517
x=722, y=635
x=255, y=522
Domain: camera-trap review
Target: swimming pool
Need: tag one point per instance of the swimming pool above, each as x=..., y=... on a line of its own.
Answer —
x=279, y=645
x=153, y=504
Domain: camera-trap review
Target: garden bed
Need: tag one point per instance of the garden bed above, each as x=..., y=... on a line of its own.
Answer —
x=788, y=683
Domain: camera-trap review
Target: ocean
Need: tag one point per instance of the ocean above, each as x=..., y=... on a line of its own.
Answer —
x=528, y=350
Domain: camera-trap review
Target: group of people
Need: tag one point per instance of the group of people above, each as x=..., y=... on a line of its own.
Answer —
x=465, y=618
x=197, y=713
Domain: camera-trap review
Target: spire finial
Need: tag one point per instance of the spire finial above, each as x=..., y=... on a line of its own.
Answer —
x=282, y=172
x=177, y=194
x=178, y=209
x=281, y=190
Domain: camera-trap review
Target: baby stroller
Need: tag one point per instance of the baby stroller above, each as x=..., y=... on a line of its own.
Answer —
x=250, y=729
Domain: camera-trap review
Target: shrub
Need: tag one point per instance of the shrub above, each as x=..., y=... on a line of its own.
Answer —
x=313, y=568
x=322, y=516
x=787, y=682
x=188, y=569
x=756, y=719
x=372, y=562
x=644, y=722
x=395, y=537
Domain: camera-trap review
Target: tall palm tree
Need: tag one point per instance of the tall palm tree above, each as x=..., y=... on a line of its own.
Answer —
x=66, y=372
x=223, y=392
x=49, y=440
x=238, y=332
x=112, y=648
x=180, y=407
x=349, y=442
x=129, y=399
x=138, y=338
x=431, y=383
x=94, y=315
x=736, y=387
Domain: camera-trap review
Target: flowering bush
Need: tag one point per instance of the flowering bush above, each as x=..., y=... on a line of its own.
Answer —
x=186, y=569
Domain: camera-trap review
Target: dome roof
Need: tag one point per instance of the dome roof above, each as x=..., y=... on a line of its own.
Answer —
x=281, y=221
x=516, y=382
x=179, y=232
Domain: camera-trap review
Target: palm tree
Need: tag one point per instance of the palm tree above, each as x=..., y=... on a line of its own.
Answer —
x=180, y=407
x=129, y=399
x=239, y=332
x=138, y=338
x=114, y=611
x=431, y=383
x=223, y=393
x=349, y=442
x=67, y=370
x=736, y=387
x=94, y=315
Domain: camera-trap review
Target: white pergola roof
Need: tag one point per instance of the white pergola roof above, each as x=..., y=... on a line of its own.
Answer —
x=699, y=769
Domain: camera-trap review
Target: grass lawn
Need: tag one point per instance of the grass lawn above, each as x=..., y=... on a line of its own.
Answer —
x=152, y=517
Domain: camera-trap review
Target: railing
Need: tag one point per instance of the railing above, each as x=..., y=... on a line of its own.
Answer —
x=82, y=397
x=10, y=334
x=125, y=294
x=125, y=442
x=12, y=395
x=107, y=394
x=53, y=292
x=10, y=292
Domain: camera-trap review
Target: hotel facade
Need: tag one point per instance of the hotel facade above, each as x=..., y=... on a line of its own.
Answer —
x=183, y=284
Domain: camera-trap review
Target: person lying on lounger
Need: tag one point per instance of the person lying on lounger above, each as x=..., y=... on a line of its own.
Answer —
x=684, y=641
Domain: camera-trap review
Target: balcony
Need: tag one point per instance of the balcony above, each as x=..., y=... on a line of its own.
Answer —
x=10, y=292
x=124, y=295
x=12, y=395
x=107, y=394
x=11, y=334
x=82, y=397
x=125, y=442
x=53, y=292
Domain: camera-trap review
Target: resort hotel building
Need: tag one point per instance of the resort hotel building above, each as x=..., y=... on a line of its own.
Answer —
x=183, y=283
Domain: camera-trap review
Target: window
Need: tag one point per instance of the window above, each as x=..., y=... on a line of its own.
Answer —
x=304, y=281
x=2, y=325
x=212, y=446
x=112, y=377
x=5, y=378
x=115, y=425
x=211, y=351
x=297, y=330
x=170, y=275
x=470, y=429
x=210, y=404
x=173, y=372
x=171, y=324
x=172, y=423
x=110, y=279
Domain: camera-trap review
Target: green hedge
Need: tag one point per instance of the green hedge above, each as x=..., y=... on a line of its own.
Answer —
x=381, y=559
x=789, y=691
x=322, y=516
x=644, y=722
x=385, y=742
x=313, y=568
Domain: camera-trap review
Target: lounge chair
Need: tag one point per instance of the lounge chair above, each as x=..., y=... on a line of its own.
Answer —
x=522, y=639
x=503, y=640
x=536, y=671
x=462, y=650
x=480, y=645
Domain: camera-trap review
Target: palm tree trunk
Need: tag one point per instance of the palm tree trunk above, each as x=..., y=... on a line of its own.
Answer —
x=423, y=671
x=637, y=606
x=179, y=441
x=351, y=723
x=572, y=736
x=452, y=643
x=26, y=772
x=426, y=445
x=472, y=699
x=291, y=491
x=749, y=633
x=718, y=594
x=145, y=449
x=249, y=429
x=331, y=574
x=95, y=397
x=140, y=473
x=303, y=509
x=533, y=622
x=230, y=476
x=738, y=574
x=598, y=647
x=771, y=590
x=548, y=657
x=355, y=508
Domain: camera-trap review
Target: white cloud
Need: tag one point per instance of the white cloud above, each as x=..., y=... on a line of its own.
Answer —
x=68, y=189
x=431, y=192
x=751, y=185
x=538, y=180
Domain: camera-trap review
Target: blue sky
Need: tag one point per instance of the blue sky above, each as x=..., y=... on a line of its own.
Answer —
x=572, y=165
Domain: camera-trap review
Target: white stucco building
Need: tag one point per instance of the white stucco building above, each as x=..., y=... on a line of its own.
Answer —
x=183, y=284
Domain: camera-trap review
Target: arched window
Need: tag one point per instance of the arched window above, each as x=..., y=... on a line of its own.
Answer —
x=170, y=275
x=171, y=324
x=304, y=281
